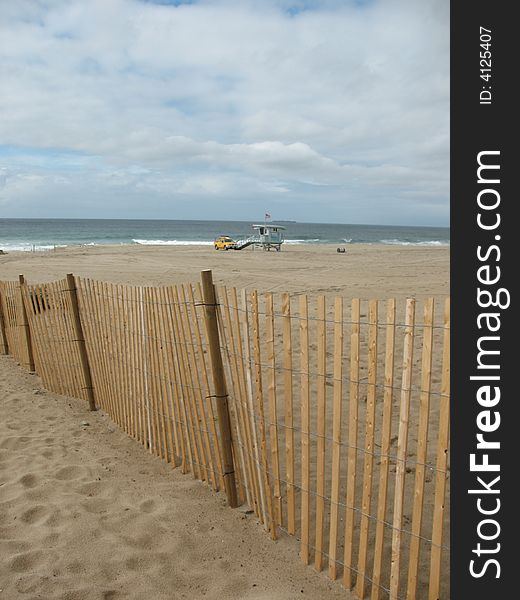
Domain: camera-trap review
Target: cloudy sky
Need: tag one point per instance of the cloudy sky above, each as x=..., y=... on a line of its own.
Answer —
x=315, y=110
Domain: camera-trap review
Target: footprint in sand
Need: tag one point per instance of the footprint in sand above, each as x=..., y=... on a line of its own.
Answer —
x=13, y=443
x=149, y=506
x=70, y=472
x=91, y=488
x=97, y=506
x=34, y=515
x=29, y=480
x=13, y=546
x=26, y=561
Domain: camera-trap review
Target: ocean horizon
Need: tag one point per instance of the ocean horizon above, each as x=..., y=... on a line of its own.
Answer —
x=47, y=234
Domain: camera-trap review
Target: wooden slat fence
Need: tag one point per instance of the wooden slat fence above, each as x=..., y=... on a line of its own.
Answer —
x=338, y=412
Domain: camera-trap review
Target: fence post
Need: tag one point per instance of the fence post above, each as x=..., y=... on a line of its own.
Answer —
x=219, y=381
x=4, y=348
x=80, y=339
x=26, y=329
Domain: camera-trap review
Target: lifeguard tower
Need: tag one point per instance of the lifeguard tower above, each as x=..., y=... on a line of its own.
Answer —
x=268, y=235
x=265, y=236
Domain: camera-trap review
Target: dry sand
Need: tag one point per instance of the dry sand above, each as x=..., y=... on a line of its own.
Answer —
x=363, y=271
x=85, y=512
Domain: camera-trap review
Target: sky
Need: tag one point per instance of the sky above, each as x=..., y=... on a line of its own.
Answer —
x=311, y=110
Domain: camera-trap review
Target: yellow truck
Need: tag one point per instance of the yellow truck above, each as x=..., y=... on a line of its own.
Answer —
x=224, y=242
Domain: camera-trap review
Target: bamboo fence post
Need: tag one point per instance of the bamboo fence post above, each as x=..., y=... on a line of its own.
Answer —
x=3, y=333
x=210, y=302
x=25, y=325
x=80, y=340
x=421, y=454
x=402, y=446
x=386, y=432
x=441, y=463
x=336, y=435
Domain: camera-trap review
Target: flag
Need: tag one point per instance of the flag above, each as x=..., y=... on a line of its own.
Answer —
x=267, y=216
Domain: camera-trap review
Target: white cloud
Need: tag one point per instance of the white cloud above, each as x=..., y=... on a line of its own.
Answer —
x=227, y=99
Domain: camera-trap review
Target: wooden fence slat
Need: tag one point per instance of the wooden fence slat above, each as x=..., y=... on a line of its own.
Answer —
x=170, y=390
x=219, y=383
x=101, y=380
x=321, y=417
x=273, y=408
x=441, y=463
x=239, y=418
x=207, y=407
x=288, y=411
x=203, y=342
x=130, y=343
x=114, y=321
x=186, y=390
x=4, y=348
x=183, y=448
x=80, y=340
x=203, y=439
x=261, y=413
x=231, y=386
x=249, y=377
x=166, y=369
x=352, y=443
x=143, y=315
x=159, y=374
x=64, y=366
x=243, y=395
x=29, y=362
x=386, y=433
x=127, y=351
x=305, y=427
x=368, y=463
x=117, y=354
x=31, y=300
x=336, y=436
x=108, y=311
x=162, y=374
x=422, y=446
x=191, y=456
x=402, y=446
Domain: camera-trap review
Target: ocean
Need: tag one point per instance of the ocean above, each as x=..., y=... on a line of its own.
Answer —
x=46, y=234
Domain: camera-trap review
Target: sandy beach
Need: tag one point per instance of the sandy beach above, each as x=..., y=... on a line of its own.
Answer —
x=364, y=271
x=86, y=513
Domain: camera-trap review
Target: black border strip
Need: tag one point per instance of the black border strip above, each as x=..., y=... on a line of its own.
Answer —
x=477, y=128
